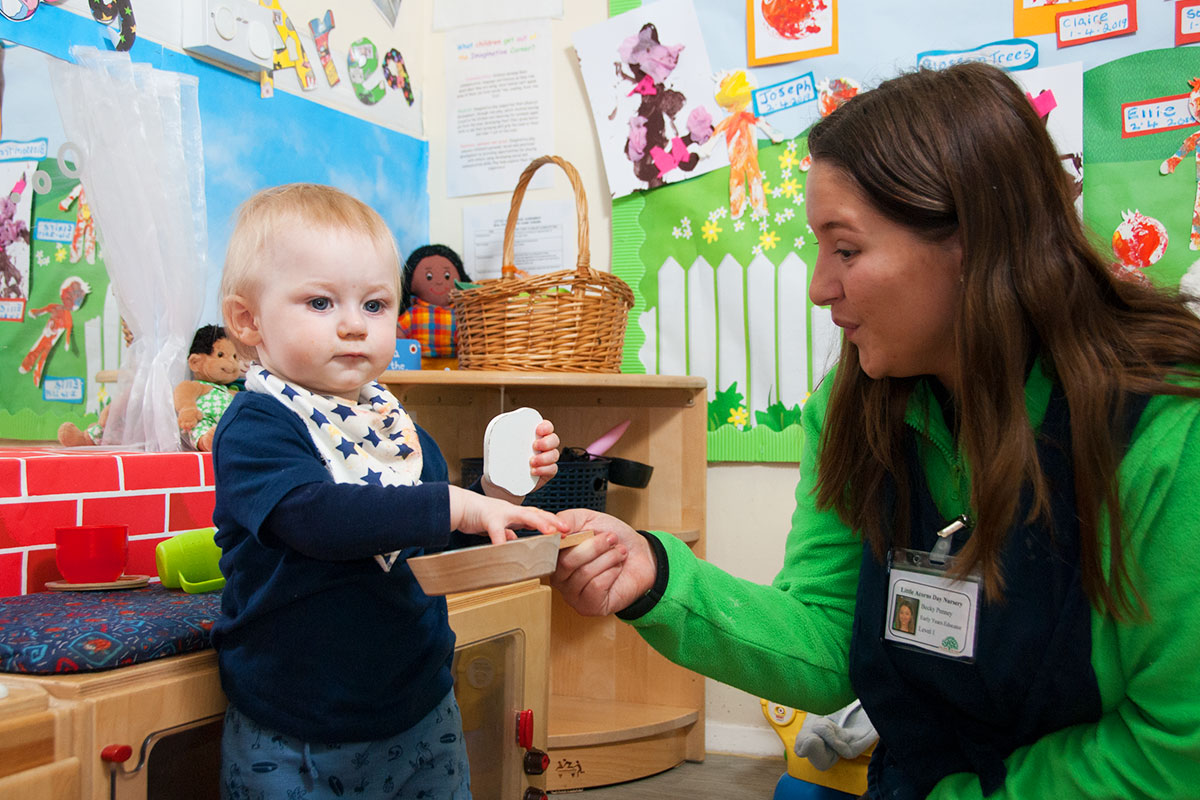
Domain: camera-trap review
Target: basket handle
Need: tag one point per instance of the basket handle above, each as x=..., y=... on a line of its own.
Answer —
x=583, y=261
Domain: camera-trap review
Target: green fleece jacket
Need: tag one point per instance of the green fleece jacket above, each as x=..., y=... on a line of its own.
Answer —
x=789, y=642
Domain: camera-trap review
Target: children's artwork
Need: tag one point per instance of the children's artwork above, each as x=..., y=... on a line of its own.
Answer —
x=734, y=92
x=59, y=322
x=248, y=144
x=650, y=89
x=321, y=27
x=787, y=30
x=1138, y=242
x=1190, y=144
x=1056, y=93
x=291, y=54
x=14, y=232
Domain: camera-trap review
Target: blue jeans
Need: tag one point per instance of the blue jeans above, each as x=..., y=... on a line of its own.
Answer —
x=429, y=760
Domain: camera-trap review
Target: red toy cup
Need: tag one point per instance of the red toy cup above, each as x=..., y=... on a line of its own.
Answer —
x=91, y=553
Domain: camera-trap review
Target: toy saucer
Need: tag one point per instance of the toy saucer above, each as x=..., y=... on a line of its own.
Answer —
x=123, y=582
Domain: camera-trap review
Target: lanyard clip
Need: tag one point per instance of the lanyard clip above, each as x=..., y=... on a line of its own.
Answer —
x=941, y=548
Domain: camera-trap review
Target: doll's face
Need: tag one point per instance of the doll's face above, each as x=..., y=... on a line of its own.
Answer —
x=219, y=366
x=433, y=279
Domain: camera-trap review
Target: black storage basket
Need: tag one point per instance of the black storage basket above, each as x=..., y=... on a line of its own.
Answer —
x=578, y=484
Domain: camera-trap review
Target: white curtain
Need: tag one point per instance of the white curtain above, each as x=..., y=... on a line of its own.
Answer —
x=137, y=133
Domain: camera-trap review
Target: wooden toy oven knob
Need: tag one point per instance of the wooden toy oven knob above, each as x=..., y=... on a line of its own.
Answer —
x=525, y=728
x=536, y=762
x=118, y=753
x=533, y=793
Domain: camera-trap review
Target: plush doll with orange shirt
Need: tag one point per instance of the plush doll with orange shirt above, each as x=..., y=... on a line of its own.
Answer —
x=425, y=310
x=199, y=403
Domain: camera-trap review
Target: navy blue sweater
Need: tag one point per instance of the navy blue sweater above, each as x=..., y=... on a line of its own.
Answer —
x=315, y=639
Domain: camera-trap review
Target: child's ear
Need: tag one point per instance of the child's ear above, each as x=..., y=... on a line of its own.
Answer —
x=240, y=320
x=195, y=362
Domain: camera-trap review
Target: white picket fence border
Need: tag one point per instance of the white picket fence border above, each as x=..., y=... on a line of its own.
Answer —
x=752, y=325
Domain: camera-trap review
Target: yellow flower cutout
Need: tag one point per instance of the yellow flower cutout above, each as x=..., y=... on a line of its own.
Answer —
x=790, y=186
x=739, y=416
x=709, y=231
x=788, y=159
x=60, y=253
x=768, y=240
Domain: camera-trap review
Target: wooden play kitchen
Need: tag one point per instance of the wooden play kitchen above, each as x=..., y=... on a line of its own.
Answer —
x=151, y=731
x=618, y=710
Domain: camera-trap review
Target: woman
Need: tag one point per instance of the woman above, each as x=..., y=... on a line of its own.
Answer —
x=1010, y=432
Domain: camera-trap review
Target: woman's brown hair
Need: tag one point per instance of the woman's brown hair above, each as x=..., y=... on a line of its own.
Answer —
x=961, y=152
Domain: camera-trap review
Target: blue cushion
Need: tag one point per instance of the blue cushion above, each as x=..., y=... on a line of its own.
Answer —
x=59, y=632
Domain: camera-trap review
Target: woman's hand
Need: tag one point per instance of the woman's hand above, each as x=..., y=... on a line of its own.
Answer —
x=496, y=518
x=606, y=573
x=543, y=463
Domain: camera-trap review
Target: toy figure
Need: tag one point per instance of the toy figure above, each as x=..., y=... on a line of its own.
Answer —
x=71, y=435
x=11, y=229
x=425, y=311
x=734, y=92
x=652, y=152
x=199, y=403
x=72, y=292
x=1189, y=144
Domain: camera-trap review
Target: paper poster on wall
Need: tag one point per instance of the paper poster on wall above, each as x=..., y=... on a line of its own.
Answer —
x=1033, y=17
x=1057, y=95
x=787, y=30
x=16, y=202
x=1141, y=191
x=499, y=115
x=248, y=144
x=650, y=89
x=543, y=239
x=726, y=298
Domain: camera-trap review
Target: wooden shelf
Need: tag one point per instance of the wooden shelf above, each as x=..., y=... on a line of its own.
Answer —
x=575, y=380
x=618, y=710
x=582, y=722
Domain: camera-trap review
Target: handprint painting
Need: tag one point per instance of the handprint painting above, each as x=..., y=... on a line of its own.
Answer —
x=787, y=30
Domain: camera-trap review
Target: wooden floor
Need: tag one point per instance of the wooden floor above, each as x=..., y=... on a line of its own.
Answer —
x=718, y=776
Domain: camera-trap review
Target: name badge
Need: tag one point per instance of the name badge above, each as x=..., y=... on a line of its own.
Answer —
x=929, y=610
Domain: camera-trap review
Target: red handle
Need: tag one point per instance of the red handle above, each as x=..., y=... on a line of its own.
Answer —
x=116, y=753
x=525, y=728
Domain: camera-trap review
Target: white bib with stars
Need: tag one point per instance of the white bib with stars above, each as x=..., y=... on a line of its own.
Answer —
x=373, y=441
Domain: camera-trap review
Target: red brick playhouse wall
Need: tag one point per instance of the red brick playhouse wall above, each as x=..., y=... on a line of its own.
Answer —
x=156, y=494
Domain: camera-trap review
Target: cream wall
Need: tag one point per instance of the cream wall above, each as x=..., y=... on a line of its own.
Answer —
x=749, y=505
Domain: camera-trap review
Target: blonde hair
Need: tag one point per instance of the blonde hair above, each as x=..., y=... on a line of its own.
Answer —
x=272, y=212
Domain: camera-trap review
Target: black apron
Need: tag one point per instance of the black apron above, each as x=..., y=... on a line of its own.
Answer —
x=1032, y=672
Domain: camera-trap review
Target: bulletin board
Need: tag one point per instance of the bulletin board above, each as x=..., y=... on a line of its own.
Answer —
x=725, y=296
x=250, y=141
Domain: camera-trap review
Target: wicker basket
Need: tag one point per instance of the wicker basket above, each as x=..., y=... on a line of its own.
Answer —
x=566, y=321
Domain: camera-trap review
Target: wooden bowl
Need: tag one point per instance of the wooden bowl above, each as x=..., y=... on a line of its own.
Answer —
x=491, y=564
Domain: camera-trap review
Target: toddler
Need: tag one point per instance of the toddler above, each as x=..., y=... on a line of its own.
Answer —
x=335, y=663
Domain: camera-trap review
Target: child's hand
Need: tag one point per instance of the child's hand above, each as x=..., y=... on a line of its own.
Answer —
x=496, y=518
x=543, y=463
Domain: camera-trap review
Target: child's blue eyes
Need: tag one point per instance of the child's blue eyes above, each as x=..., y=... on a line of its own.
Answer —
x=324, y=304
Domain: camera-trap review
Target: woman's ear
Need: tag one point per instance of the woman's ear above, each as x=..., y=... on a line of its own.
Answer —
x=241, y=323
